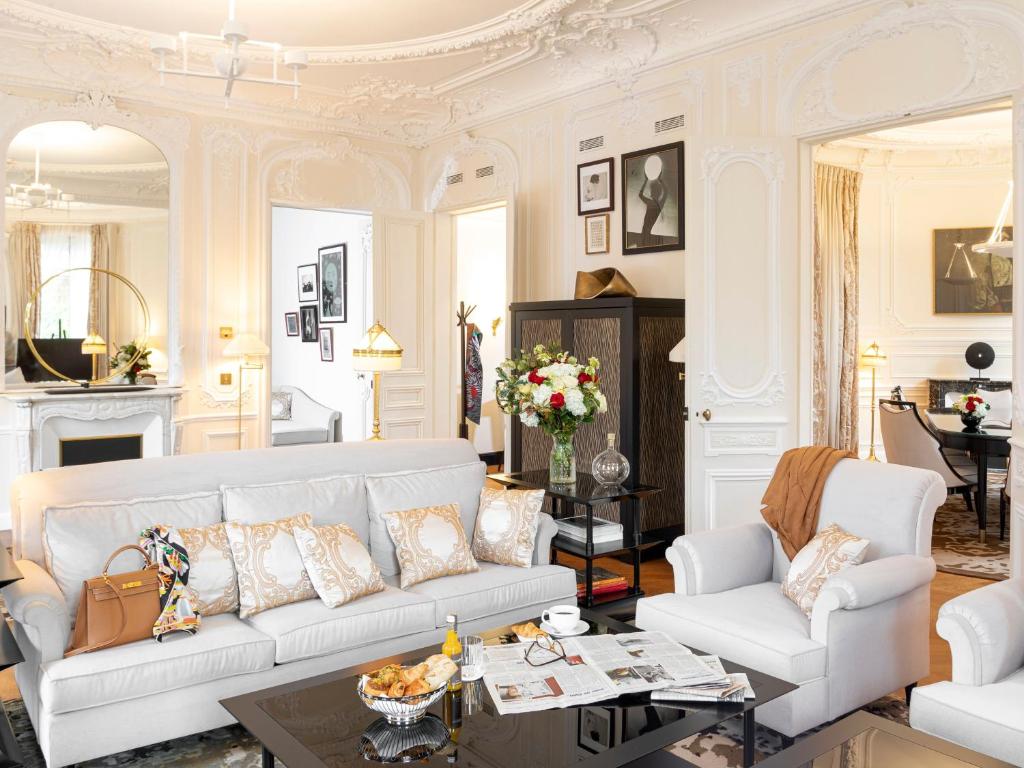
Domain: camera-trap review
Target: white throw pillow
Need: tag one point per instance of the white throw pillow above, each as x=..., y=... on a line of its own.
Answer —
x=281, y=406
x=459, y=484
x=1000, y=412
x=269, y=566
x=212, y=581
x=330, y=500
x=338, y=563
x=506, y=526
x=78, y=538
x=829, y=552
x=431, y=543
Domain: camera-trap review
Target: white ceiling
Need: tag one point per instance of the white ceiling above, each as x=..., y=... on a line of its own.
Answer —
x=76, y=144
x=972, y=131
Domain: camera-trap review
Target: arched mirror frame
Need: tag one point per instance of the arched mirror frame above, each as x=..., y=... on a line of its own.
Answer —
x=168, y=134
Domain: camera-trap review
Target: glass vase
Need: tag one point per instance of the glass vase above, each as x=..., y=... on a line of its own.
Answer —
x=609, y=466
x=562, y=465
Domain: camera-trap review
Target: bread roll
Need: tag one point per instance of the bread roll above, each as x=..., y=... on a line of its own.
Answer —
x=396, y=690
x=416, y=687
x=439, y=670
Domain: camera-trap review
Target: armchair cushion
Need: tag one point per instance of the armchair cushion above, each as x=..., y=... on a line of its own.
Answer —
x=831, y=551
x=281, y=406
x=722, y=559
x=38, y=605
x=985, y=632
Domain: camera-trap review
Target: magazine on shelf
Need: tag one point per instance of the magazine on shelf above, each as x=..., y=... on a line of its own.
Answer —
x=576, y=528
x=595, y=668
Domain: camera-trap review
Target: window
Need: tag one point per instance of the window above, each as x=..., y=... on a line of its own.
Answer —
x=64, y=304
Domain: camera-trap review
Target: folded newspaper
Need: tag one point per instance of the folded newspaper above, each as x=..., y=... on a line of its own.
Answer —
x=732, y=688
x=595, y=668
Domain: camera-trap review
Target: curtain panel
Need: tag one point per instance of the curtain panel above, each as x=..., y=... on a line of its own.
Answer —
x=24, y=261
x=836, y=275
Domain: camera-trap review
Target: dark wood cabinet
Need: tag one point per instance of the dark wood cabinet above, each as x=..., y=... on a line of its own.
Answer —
x=632, y=338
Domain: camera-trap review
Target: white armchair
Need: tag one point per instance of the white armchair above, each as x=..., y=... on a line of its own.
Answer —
x=982, y=707
x=311, y=422
x=868, y=631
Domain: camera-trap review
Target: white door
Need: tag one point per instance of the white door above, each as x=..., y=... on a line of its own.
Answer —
x=742, y=325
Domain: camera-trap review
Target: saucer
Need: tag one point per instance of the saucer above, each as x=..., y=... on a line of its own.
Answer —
x=581, y=628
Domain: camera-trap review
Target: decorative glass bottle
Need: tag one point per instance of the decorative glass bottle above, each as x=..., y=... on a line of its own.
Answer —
x=562, y=466
x=610, y=467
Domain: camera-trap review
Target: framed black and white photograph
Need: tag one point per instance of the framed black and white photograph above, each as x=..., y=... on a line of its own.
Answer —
x=652, y=199
x=595, y=186
x=327, y=345
x=291, y=323
x=596, y=233
x=308, y=283
x=334, y=283
x=968, y=283
x=595, y=729
x=308, y=323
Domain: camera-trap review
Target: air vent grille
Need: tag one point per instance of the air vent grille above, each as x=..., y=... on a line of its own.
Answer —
x=487, y=170
x=670, y=123
x=455, y=178
x=595, y=142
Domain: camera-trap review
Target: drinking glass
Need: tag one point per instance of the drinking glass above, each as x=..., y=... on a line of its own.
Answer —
x=472, y=657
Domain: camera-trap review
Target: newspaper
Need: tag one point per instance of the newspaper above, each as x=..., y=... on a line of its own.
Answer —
x=732, y=688
x=595, y=668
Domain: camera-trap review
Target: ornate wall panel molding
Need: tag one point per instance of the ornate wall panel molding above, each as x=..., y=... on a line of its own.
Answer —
x=752, y=480
x=744, y=437
x=503, y=183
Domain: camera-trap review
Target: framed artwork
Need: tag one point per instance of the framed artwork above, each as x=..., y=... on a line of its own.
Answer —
x=327, y=345
x=595, y=230
x=308, y=283
x=291, y=323
x=595, y=729
x=968, y=283
x=334, y=283
x=652, y=199
x=307, y=323
x=595, y=186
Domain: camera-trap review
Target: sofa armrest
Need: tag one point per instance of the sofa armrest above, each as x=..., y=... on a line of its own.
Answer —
x=546, y=530
x=722, y=559
x=985, y=632
x=306, y=410
x=36, y=603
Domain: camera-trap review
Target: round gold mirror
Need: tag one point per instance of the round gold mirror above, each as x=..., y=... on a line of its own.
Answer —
x=110, y=301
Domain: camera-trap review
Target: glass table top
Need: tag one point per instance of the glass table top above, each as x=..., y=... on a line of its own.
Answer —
x=876, y=748
x=586, y=489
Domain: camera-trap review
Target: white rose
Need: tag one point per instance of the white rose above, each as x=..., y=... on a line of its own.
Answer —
x=542, y=395
x=602, y=402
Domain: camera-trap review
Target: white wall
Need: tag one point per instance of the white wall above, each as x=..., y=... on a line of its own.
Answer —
x=296, y=235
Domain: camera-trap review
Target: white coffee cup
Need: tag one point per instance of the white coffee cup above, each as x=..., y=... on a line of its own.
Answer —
x=563, y=618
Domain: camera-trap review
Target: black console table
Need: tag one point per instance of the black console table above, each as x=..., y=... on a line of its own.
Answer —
x=10, y=654
x=587, y=492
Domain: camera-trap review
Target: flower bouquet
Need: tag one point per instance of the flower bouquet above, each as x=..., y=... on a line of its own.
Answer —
x=552, y=390
x=972, y=410
x=125, y=354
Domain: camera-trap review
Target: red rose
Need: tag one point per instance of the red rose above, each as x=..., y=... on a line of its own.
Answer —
x=534, y=377
x=557, y=400
x=585, y=377
x=970, y=406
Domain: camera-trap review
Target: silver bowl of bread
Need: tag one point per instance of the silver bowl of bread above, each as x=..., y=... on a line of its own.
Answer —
x=402, y=694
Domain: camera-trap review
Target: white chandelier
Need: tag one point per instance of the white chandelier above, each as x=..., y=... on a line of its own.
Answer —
x=37, y=194
x=229, y=65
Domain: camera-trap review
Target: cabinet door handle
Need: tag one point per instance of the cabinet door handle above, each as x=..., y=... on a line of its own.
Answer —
x=706, y=414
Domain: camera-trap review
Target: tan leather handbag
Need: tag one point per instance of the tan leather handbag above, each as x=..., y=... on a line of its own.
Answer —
x=116, y=608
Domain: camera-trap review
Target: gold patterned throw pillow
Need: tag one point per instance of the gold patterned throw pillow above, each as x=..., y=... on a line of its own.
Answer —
x=212, y=582
x=338, y=563
x=430, y=543
x=829, y=552
x=506, y=526
x=270, y=569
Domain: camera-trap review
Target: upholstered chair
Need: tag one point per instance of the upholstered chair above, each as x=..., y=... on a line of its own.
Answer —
x=310, y=421
x=982, y=707
x=867, y=634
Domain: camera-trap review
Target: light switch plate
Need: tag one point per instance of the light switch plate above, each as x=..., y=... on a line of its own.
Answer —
x=225, y=379
x=227, y=332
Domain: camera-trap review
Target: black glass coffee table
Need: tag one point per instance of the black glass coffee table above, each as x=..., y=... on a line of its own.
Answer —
x=320, y=722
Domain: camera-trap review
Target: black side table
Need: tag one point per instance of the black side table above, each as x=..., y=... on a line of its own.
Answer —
x=587, y=492
x=10, y=654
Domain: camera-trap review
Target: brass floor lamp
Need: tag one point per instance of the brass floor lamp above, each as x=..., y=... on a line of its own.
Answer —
x=873, y=358
x=377, y=352
x=252, y=350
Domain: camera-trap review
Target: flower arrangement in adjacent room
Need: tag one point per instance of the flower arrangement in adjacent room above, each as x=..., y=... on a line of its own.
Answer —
x=124, y=354
x=552, y=390
x=972, y=409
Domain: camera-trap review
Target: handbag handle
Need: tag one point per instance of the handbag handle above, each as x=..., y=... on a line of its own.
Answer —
x=125, y=548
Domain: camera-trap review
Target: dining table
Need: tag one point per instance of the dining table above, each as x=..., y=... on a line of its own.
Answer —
x=986, y=442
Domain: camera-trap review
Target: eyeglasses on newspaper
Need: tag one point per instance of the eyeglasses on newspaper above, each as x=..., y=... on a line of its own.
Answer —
x=542, y=646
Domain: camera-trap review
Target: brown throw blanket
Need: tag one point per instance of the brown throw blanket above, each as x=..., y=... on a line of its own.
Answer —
x=793, y=499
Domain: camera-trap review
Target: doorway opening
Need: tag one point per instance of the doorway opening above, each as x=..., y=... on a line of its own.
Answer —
x=481, y=282
x=321, y=305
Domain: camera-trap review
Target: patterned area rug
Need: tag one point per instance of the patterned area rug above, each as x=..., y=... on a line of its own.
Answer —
x=955, y=544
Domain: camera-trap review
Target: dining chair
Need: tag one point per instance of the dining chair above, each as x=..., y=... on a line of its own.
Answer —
x=908, y=441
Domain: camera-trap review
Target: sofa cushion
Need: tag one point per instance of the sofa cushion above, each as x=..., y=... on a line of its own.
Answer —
x=337, y=562
x=280, y=406
x=269, y=567
x=506, y=526
x=294, y=433
x=495, y=589
x=430, y=543
x=212, y=581
x=309, y=629
x=987, y=718
x=831, y=551
x=78, y=538
x=223, y=647
x=756, y=626
x=337, y=499
x=394, y=492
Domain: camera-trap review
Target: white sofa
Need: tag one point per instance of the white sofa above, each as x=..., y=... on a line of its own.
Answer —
x=104, y=702
x=868, y=631
x=311, y=422
x=983, y=706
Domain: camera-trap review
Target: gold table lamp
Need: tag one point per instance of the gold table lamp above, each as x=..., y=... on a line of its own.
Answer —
x=873, y=358
x=94, y=345
x=378, y=351
x=252, y=350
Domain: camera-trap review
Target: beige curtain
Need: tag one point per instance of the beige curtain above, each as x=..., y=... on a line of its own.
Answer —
x=836, y=202
x=23, y=254
x=105, y=249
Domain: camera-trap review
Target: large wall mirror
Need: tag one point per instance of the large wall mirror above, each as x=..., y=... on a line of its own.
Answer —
x=79, y=197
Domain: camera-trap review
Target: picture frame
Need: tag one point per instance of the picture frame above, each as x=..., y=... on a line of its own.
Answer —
x=333, y=266
x=327, y=345
x=291, y=323
x=308, y=324
x=991, y=290
x=309, y=282
x=595, y=186
x=653, y=199
x=596, y=233
x=596, y=729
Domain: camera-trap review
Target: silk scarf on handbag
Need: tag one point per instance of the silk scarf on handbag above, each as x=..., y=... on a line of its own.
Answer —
x=165, y=548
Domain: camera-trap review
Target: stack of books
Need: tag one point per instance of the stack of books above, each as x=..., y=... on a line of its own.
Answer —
x=605, y=583
x=575, y=528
